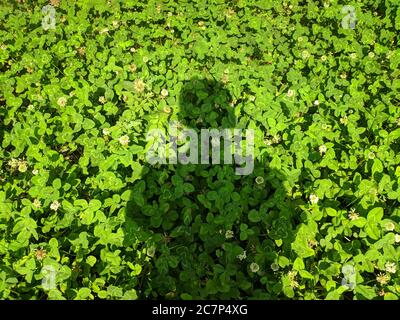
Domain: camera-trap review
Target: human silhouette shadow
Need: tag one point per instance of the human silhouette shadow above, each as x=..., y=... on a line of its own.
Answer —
x=201, y=218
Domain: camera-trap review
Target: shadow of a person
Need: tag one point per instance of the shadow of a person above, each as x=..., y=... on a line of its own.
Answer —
x=208, y=223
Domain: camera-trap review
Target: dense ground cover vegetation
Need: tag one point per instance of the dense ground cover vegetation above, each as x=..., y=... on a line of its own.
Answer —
x=83, y=215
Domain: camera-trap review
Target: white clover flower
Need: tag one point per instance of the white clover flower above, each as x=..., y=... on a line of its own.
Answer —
x=276, y=138
x=390, y=226
x=106, y=131
x=40, y=254
x=132, y=49
x=290, y=93
x=390, y=267
x=371, y=54
x=102, y=99
x=35, y=172
x=229, y=13
x=382, y=278
x=22, y=166
x=55, y=205
x=82, y=51
x=343, y=75
x=259, y=180
x=62, y=101
x=254, y=267
x=353, y=56
x=322, y=149
x=397, y=238
x=31, y=107
x=139, y=85
x=124, y=140
x=305, y=54
x=324, y=58
x=268, y=142
x=37, y=204
x=132, y=67
x=104, y=30
x=353, y=215
x=229, y=234
x=292, y=275
x=201, y=24
x=292, y=279
x=275, y=266
x=164, y=93
x=314, y=199
x=344, y=120
x=242, y=256
x=13, y=163
x=316, y=103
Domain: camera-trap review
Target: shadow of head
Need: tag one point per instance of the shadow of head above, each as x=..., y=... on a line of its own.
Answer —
x=207, y=115
x=205, y=103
